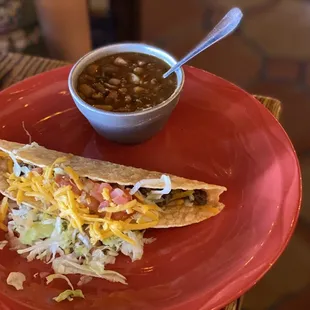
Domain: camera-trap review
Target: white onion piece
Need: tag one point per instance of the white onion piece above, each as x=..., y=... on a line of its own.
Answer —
x=143, y=183
x=58, y=170
x=135, y=188
x=85, y=240
x=17, y=169
x=154, y=182
x=166, y=189
x=25, y=170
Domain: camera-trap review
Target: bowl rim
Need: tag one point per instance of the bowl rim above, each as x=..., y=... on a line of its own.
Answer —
x=83, y=59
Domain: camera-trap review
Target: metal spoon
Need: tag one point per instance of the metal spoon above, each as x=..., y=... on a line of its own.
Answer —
x=227, y=25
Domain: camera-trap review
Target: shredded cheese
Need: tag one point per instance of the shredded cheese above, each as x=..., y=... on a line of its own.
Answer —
x=3, y=212
x=63, y=202
x=49, y=170
x=117, y=232
x=106, y=194
x=125, y=207
x=108, y=215
x=19, y=196
x=75, y=177
x=146, y=225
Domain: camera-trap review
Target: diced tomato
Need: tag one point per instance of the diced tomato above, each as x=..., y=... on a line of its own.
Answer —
x=120, y=216
x=96, y=193
x=117, y=216
x=93, y=191
x=93, y=204
x=83, y=197
x=90, y=202
x=116, y=192
x=88, y=185
x=120, y=196
x=103, y=205
x=64, y=180
x=126, y=191
x=37, y=170
x=105, y=185
x=120, y=200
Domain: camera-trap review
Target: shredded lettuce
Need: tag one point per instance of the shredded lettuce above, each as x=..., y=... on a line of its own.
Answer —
x=48, y=248
x=68, y=264
x=113, y=242
x=85, y=240
x=69, y=295
x=16, y=279
x=35, y=232
x=135, y=252
x=38, y=235
x=52, y=277
x=81, y=250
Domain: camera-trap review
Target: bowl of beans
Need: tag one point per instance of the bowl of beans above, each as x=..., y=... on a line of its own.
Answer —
x=120, y=89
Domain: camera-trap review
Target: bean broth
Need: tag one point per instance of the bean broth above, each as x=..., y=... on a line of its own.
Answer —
x=126, y=82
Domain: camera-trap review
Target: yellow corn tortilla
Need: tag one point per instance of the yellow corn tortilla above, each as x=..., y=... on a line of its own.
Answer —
x=96, y=170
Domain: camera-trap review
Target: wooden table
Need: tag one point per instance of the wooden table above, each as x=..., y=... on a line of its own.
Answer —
x=17, y=67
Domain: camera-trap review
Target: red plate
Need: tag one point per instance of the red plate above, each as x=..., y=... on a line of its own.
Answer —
x=218, y=134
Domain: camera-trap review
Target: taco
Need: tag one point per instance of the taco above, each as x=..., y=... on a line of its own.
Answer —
x=79, y=213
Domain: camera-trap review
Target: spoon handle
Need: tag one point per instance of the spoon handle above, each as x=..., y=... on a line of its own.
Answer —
x=227, y=25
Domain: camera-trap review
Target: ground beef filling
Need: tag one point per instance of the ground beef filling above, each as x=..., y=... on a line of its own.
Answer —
x=200, y=197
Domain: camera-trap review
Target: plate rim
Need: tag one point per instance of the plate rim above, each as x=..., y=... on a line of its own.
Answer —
x=263, y=270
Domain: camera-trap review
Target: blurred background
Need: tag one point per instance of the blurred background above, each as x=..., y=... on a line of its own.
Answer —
x=268, y=55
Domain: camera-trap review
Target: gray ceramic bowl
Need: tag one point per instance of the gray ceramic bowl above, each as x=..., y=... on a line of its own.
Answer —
x=131, y=127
